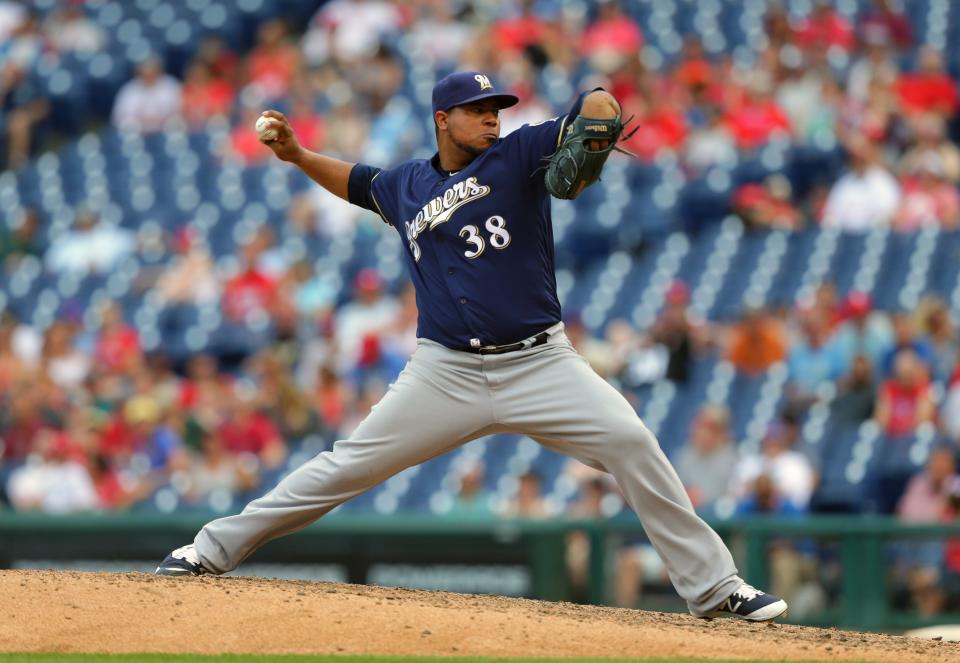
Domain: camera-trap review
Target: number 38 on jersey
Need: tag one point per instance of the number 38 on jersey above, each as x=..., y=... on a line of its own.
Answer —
x=497, y=236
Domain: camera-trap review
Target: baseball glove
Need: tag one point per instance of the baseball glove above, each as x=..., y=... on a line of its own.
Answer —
x=578, y=161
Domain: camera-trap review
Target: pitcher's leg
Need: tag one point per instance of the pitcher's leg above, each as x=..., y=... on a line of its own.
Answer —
x=420, y=417
x=581, y=415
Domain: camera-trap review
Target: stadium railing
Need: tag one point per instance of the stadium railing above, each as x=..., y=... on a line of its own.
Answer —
x=862, y=550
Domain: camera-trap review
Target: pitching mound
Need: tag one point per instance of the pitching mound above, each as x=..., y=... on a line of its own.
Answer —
x=48, y=611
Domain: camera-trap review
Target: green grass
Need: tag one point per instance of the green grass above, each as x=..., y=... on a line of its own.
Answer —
x=251, y=658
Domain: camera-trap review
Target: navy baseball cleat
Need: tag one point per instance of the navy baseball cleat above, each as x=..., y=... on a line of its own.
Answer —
x=181, y=562
x=751, y=604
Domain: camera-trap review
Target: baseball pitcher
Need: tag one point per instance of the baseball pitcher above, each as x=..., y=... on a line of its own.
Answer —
x=491, y=356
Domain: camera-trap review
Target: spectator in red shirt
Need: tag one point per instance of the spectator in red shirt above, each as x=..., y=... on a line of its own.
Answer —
x=659, y=126
x=305, y=122
x=905, y=399
x=767, y=205
x=21, y=418
x=273, y=63
x=695, y=71
x=114, y=492
x=330, y=397
x=251, y=292
x=929, y=88
x=222, y=62
x=825, y=28
x=882, y=21
x=612, y=38
x=758, y=118
x=203, y=386
x=118, y=345
x=246, y=430
x=205, y=96
x=634, y=79
x=514, y=34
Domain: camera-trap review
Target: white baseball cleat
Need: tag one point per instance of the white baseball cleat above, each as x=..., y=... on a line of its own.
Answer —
x=181, y=562
x=751, y=604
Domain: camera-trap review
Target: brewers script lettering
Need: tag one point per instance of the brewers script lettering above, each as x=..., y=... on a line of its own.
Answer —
x=440, y=209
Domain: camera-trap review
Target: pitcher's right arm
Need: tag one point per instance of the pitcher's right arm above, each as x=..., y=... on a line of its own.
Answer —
x=332, y=174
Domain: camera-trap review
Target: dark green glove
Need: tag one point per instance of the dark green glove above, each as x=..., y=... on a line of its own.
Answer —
x=575, y=166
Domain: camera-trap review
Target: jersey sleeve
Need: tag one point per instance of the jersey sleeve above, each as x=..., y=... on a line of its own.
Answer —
x=367, y=188
x=534, y=142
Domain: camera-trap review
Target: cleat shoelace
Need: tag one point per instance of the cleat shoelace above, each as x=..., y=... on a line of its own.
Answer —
x=747, y=593
x=186, y=553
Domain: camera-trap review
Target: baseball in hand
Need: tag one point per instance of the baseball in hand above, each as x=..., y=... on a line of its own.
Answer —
x=265, y=127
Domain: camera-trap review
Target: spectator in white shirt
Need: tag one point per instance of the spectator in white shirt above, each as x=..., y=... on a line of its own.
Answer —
x=705, y=464
x=70, y=31
x=791, y=472
x=710, y=144
x=317, y=211
x=25, y=44
x=439, y=36
x=867, y=196
x=190, y=277
x=148, y=101
x=350, y=31
x=12, y=15
x=63, y=362
x=55, y=481
x=91, y=246
x=363, y=321
x=877, y=64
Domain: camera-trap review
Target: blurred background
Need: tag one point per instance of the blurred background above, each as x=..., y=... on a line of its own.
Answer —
x=774, y=285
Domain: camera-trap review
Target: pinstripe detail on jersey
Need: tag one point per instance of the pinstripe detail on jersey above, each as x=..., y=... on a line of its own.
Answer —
x=374, y=199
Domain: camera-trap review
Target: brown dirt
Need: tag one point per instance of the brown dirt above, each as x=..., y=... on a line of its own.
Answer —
x=53, y=611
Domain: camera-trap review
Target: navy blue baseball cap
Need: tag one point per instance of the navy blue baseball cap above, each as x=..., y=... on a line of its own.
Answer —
x=466, y=86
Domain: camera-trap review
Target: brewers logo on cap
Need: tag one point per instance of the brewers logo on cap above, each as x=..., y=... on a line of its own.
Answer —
x=461, y=88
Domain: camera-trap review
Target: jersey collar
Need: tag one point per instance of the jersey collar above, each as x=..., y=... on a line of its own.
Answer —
x=435, y=162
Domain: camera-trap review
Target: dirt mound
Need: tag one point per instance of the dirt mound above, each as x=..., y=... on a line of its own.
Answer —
x=50, y=611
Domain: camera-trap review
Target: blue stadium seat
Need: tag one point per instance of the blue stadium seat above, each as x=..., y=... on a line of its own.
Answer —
x=689, y=396
x=893, y=274
x=729, y=303
x=789, y=279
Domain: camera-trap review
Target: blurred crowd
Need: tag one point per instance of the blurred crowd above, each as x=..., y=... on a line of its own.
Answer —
x=817, y=80
x=94, y=407
x=90, y=420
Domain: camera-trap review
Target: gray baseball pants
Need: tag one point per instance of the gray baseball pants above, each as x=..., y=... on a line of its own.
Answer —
x=445, y=398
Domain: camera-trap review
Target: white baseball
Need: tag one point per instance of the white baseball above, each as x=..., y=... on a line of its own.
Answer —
x=265, y=127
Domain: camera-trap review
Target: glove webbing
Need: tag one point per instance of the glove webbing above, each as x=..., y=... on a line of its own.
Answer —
x=574, y=166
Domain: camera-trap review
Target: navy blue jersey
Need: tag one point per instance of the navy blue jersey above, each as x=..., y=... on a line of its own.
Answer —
x=479, y=241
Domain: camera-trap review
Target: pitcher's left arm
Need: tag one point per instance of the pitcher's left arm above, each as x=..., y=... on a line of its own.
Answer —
x=585, y=146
